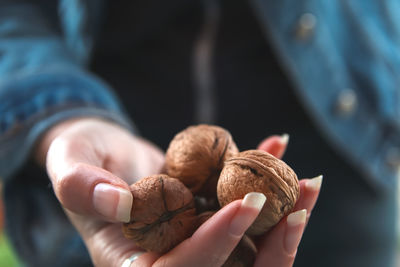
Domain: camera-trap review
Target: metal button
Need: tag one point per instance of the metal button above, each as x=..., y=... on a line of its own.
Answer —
x=393, y=158
x=346, y=102
x=305, y=27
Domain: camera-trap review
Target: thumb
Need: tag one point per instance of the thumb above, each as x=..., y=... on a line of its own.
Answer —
x=83, y=187
x=279, y=246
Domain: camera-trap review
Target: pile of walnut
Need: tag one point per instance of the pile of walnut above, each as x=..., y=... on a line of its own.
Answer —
x=207, y=169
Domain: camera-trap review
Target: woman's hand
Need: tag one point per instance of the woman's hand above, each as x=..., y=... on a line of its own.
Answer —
x=213, y=242
x=91, y=163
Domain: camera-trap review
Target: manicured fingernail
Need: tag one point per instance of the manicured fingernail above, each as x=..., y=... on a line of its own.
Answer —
x=297, y=217
x=284, y=139
x=314, y=183
x=243, y=220
x=254, y=200
x=113, y=202
x=294, y=230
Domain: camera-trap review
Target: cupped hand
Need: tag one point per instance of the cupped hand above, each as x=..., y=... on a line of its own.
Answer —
x=213, y=242
x=91, y=163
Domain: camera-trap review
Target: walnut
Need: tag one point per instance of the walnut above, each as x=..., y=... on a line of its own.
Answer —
x=259, y=171
x=162, y=215
x=196, y=156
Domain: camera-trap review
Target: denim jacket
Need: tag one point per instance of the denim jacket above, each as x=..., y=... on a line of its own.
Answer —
x=342, y=56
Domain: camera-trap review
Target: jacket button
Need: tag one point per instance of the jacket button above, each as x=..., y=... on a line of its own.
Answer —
x=305, y=26
x=346, y=102
x=393, y=158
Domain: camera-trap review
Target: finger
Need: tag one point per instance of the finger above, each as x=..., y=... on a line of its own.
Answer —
x=309, y=191
x=215, y=239
x=279, y=246
x=275, y=145
x=84, y=188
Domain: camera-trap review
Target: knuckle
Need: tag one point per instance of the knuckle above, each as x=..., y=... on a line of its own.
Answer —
x=64, y=182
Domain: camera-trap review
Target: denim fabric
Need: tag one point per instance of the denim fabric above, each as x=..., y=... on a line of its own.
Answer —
x=352, y=45
x=53, y=96
x=43, y=81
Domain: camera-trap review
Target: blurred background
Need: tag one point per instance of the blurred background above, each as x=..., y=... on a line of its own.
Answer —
x=7, y=256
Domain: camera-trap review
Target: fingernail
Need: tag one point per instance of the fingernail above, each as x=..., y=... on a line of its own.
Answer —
x=314, y=183
x=254, y=200
x=295, y=227
x=284, y=139
x=113, y=202
x=243, y=220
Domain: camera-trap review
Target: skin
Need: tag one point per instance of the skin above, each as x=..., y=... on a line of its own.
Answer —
x=80, y=153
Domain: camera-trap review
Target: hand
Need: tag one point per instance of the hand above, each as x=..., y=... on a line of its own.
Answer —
x=87, y=152
x=91, y=163
x=213, y=242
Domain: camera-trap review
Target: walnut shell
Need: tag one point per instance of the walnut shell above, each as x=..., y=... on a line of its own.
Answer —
x=196, y=156
x=162, y=215
x=259, y=171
